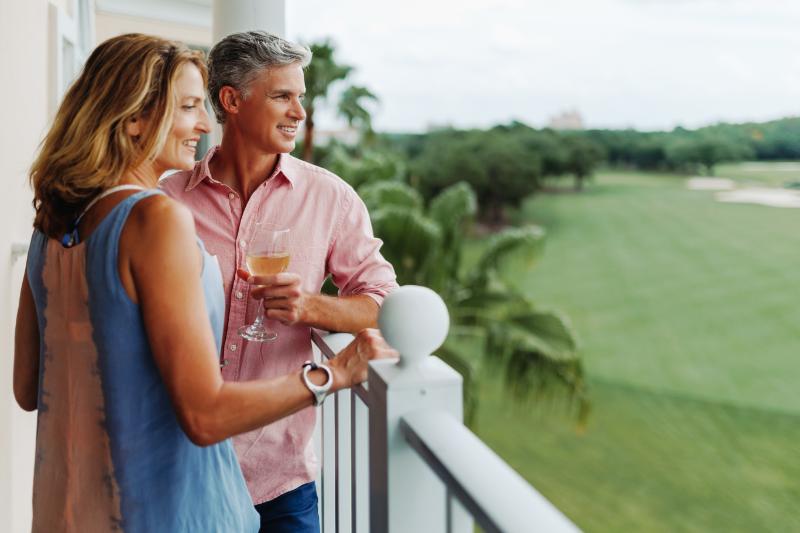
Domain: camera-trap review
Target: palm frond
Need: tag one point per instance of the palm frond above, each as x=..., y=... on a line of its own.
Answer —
x=471, y=383
x=508, y=253
x=381, y=194
x=411, y=242
x=453, y=207
x=539, y=362
x=351, y=106
x=530, y=376
x=548, y=331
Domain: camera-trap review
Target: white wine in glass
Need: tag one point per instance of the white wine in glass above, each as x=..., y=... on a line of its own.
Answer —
x=267, y=254
x=267, y=264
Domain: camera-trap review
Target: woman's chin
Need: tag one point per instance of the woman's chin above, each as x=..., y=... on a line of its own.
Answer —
x=178, y=163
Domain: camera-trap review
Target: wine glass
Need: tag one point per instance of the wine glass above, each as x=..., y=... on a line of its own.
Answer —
x=267, y=253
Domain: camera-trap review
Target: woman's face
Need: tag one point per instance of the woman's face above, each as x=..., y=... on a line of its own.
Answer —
x=190, y=120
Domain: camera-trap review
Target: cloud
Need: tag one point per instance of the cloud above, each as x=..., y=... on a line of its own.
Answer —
x=648, y=63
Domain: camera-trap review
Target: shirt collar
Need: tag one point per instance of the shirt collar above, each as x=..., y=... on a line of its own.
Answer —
x=284, y=169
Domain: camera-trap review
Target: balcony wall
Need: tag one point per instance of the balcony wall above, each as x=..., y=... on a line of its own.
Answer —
x=24, y=94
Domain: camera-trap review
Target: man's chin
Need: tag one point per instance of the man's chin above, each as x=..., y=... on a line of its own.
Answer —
x=283, y=147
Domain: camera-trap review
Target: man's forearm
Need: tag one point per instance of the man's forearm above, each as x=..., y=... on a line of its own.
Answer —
x=345, y=314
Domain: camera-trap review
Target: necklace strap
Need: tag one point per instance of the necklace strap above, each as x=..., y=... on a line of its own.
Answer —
x=71, y=238
x=105, y=193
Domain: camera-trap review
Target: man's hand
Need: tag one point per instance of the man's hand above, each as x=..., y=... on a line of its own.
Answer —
x=285, y=301
x=283, y=298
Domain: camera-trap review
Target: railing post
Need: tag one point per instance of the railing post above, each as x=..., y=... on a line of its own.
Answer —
x=405, y=495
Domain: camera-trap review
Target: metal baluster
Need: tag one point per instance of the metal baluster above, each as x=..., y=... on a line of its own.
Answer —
x=353, y=458
x=336, y=456
x=328, y=468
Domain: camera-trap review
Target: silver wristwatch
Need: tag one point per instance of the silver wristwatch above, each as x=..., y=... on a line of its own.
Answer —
x=319, y=391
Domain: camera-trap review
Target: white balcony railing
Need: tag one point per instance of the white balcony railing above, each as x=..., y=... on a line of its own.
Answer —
x=396, y=456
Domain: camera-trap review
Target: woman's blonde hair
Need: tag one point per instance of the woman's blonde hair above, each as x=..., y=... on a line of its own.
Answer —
x=87, y=148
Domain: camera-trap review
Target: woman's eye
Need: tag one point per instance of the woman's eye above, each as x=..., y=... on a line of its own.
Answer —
x=189, y=107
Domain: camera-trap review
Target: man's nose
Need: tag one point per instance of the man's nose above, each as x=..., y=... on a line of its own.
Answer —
x=297, y=111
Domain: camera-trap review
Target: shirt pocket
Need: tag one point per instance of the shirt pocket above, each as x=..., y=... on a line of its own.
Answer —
x=309, y=262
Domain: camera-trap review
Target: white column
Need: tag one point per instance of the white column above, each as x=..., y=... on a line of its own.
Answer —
x=405, y=495
x=231, y=16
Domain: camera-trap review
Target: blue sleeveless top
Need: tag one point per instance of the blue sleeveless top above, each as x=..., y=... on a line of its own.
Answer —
x=110, y=454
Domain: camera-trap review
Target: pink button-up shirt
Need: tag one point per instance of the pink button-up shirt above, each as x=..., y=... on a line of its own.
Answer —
x=330, y=234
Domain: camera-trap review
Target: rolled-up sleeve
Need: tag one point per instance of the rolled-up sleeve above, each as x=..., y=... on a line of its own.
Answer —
x=354, y=260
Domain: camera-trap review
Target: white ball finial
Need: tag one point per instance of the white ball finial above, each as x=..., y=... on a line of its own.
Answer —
x=414, y=321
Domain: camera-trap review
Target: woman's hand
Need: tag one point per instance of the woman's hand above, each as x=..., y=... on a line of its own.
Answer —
x=351, y=364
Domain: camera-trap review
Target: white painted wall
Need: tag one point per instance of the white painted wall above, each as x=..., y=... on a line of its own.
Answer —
x=23, y=40
x=27, y=73
x=109, y=24
x=231, y=16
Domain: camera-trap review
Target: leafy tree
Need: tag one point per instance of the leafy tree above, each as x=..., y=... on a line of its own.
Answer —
x=534, y=350
x=498, y=165
x=706, y=150
x=583, y=157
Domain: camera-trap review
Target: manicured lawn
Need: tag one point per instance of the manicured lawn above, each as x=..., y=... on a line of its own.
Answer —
x=655, y=462
x=688, y=313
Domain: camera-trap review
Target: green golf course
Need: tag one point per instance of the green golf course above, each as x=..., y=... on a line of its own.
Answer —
x=687, y=312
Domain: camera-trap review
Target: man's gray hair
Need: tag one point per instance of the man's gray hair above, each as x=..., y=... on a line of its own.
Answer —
x=238, y=58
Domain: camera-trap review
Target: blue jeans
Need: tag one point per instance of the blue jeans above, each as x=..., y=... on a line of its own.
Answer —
x=292, y=512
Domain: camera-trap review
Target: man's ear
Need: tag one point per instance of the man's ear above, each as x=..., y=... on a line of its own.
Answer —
x=133, y=127
x=230, y=99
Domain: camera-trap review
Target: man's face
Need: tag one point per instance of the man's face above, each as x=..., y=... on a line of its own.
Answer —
x=271, y=114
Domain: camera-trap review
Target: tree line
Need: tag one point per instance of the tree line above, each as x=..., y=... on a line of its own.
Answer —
x=685, y=150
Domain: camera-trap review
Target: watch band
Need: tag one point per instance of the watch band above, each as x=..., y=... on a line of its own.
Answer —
x=319, y=391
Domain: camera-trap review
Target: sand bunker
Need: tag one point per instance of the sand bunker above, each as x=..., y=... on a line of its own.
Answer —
x=727, y=192
x=761, y=196
x=710, y=184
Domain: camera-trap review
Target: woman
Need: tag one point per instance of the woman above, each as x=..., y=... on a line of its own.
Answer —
x=120, y=315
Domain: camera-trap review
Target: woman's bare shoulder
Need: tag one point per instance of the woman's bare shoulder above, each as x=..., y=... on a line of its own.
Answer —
x=159, y=215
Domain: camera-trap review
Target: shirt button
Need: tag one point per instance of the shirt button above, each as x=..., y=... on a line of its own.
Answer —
x=232, y=347
x=242, y=243
x=231, y=196
x=239, y=295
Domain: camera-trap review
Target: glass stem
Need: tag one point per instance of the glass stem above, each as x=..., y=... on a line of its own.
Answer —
x=259, y=315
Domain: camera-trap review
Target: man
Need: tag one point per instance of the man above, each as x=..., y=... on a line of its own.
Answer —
x=256, y=87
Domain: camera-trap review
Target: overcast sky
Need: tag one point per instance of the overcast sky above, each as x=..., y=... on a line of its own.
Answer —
x=649, y=64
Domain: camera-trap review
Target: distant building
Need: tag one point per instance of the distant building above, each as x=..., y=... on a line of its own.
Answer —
x=566, y=120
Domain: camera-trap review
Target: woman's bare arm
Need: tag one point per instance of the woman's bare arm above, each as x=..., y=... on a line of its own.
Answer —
x=26, y=350
x=165, y=266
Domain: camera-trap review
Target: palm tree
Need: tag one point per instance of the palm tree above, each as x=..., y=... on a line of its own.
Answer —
x=534, y=349
x=351, y=107
x=322, y=73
